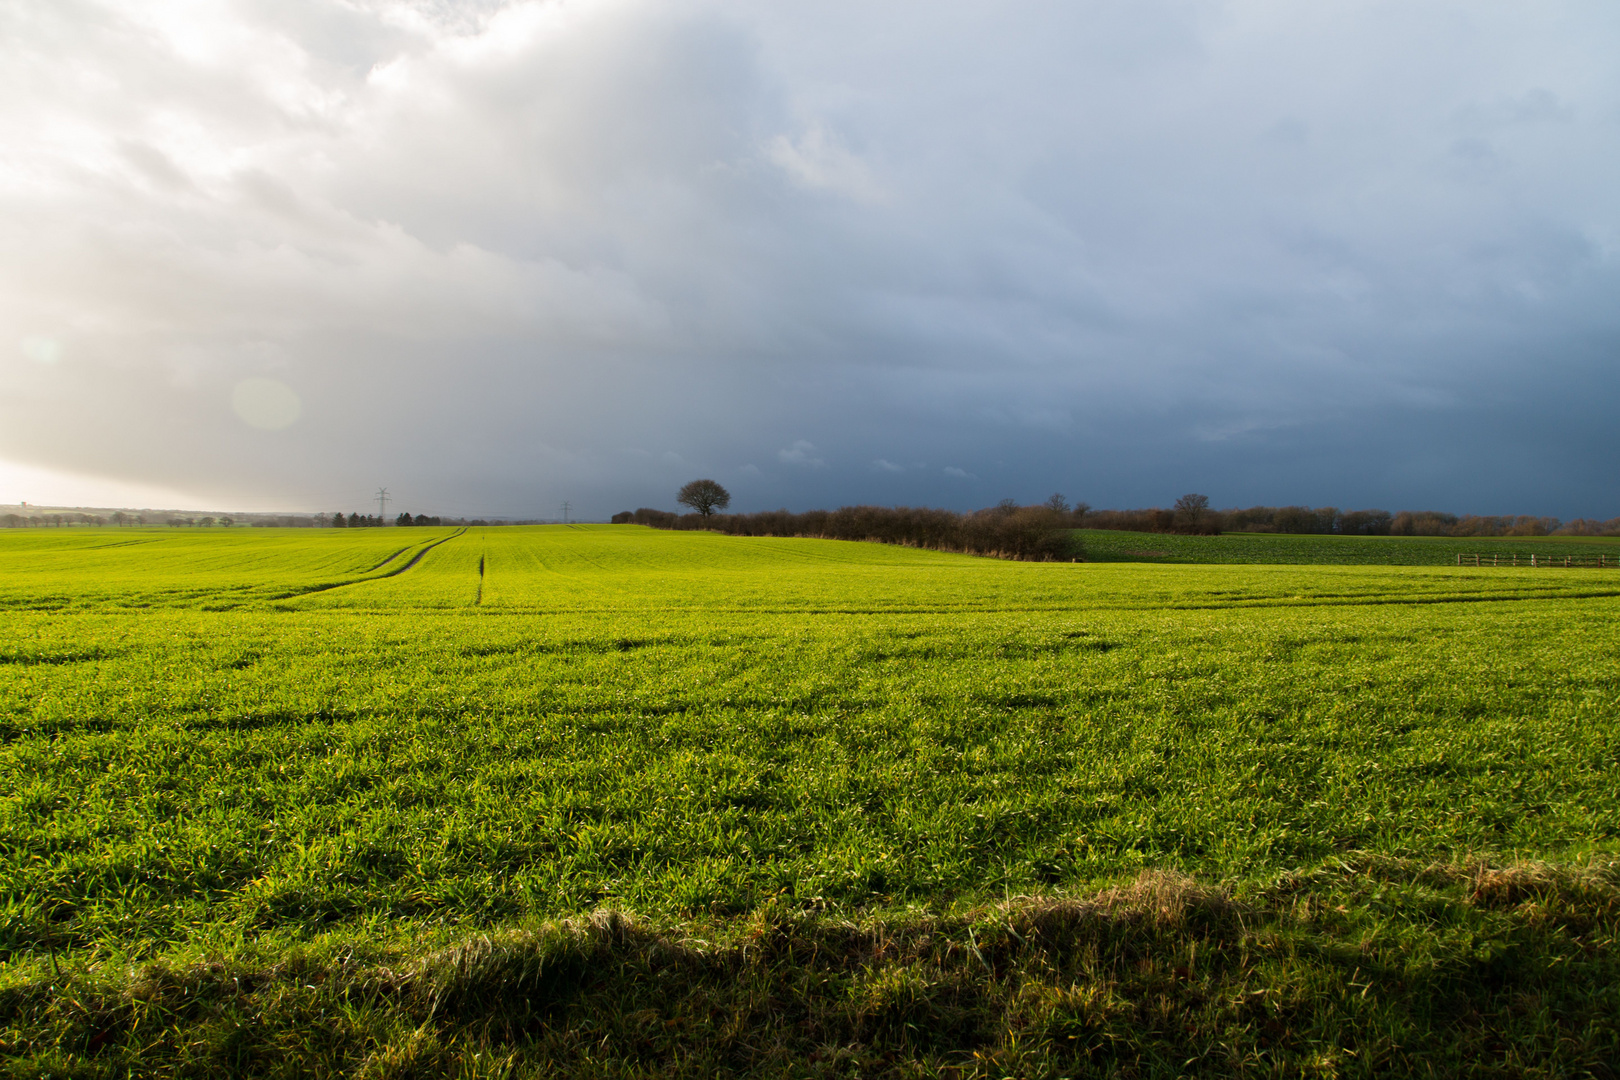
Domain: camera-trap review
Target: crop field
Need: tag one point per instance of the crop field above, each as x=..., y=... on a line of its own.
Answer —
x=610, y=801
x=1103, y=545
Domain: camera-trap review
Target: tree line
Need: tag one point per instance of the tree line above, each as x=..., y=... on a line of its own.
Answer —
x=1331, y=520
x=371, y=521
x=1007, y=530
x=284, y=521
x=34, y=521
x=1046, y=531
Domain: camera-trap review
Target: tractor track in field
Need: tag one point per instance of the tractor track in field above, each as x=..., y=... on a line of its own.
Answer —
x=479, y=599
x=418, y=556
x=386, y=561
x=398, y=570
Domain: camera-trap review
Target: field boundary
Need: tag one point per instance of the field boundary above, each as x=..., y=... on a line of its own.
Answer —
x=1567, y=562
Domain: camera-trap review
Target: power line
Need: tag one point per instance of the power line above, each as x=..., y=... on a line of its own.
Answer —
x=382, y=503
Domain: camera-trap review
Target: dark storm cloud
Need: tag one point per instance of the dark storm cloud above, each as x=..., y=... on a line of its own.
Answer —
x=498, y=255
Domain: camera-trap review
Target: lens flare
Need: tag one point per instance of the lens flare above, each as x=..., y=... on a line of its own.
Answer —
x=266, y=404
x=42, y=350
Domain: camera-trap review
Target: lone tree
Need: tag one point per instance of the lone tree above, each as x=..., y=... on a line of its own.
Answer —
x=1191, y=510
x=704, y=496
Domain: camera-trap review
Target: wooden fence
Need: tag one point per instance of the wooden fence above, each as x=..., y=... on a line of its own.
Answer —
x=1568, y=562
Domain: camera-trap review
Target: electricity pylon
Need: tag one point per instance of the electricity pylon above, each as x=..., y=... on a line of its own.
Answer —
x=382, y=504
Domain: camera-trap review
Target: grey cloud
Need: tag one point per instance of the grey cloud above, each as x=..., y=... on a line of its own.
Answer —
x=802, y=453
x=1124, y=250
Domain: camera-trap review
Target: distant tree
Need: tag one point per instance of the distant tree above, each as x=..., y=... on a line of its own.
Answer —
x=1422, y=523
x=1190, y=512
x=1057, y=503
x=207, y=522
x=227, y=522
x=119, y=517
x=704, y=496
x=404, y=519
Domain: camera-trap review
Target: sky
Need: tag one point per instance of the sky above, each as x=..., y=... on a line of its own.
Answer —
x=274, y=254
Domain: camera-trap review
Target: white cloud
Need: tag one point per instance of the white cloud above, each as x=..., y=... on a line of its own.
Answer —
x=960, y=474
x=818, y=160
x=801, y=453
x=885, y=465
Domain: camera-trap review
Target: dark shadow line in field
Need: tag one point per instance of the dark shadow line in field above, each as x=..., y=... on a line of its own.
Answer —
x=1033, y=608
x=131, y=542
x=1394, y=600
x=84, y=656
x=478, y=601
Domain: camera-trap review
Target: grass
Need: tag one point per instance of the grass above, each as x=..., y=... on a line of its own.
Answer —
x=1102, y=545
x=621, y=802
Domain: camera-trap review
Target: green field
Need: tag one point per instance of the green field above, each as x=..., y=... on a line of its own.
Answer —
x=1303, y=550
x=612, y=801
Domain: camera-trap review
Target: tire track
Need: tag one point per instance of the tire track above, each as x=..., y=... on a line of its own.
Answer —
x=417, y=557
x=388, y=560
x=329, y=586
x=479, y=599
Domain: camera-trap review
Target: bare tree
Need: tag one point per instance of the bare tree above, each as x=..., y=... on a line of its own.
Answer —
x=1057, y=503
x=1191, y=511
x=704, y=496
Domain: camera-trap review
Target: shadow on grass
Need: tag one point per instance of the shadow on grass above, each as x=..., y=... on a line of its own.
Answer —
x=1359, y=968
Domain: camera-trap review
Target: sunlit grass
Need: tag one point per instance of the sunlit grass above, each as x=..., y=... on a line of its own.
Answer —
x=289, y=748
